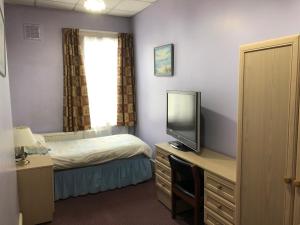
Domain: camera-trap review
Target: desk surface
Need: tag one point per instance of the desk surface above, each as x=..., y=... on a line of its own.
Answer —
x=211, y=161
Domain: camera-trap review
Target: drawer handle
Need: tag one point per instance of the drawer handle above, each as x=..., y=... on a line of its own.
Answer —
x=220, y=187
x=219, y=206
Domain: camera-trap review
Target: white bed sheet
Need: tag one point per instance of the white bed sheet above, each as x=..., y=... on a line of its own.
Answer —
x=92, y=151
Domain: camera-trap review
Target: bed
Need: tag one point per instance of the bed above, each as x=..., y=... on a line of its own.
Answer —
x=90, y=165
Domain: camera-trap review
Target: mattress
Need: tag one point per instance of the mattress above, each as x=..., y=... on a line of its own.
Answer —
x=93, y=151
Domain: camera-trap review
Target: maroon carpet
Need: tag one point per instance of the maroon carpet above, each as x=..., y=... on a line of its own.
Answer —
x=133, y=205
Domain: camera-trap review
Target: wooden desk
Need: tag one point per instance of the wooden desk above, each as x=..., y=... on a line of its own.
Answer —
x=219, y=181
x=35, y=189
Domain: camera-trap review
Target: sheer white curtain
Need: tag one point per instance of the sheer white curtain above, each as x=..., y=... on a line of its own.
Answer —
x=101, y=61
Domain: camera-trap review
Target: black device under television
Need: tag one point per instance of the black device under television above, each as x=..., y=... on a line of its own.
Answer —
x=183, y=119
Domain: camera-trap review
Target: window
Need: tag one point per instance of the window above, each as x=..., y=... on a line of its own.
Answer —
x=101, y=61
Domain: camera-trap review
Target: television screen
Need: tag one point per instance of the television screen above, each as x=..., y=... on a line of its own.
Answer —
x=183, y=117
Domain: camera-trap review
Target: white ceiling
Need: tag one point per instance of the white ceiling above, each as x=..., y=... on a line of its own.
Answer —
x=125, y=8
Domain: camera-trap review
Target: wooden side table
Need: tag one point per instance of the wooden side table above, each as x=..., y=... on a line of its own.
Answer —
x=36, y=189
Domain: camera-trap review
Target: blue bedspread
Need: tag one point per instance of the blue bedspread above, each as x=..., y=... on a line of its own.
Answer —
x=114, y=174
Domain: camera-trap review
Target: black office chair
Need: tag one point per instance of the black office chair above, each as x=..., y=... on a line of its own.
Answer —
x=187, y=184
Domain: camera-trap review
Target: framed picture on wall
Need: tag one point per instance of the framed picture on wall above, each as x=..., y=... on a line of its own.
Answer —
x=164, y=60
x=2, y=46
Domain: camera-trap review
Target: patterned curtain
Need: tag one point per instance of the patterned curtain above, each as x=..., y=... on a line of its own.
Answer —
x=76, y=103
x=126, y=81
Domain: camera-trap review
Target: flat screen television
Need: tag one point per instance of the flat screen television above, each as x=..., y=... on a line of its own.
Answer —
x=183, y=119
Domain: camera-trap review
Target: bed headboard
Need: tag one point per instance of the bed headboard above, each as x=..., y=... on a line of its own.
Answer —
x=65, y=136
x=99, y=132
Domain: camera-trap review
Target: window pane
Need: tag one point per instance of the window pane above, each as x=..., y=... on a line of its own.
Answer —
x=100, y=60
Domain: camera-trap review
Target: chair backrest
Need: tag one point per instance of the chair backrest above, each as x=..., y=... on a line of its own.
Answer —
x=181, y=168
x=184, y=172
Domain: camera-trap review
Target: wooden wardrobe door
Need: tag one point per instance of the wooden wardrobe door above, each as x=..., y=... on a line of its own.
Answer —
x=297, y=185
x=266, y=131
x=297, y=195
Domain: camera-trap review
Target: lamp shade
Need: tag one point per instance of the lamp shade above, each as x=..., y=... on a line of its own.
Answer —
x=23, y=137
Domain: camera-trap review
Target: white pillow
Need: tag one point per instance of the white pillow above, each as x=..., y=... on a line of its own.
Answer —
x=39, y=138
x=40, y=147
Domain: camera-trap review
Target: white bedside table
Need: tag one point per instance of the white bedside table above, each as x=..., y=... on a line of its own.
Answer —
x=35, y=189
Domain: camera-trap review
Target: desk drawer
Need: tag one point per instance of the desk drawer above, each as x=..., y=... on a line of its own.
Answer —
x=164, y=197
x=162, y=157
x=163, y=183
x=219, y=205
x=163, y=171
x=211, y=218
x=220, y=186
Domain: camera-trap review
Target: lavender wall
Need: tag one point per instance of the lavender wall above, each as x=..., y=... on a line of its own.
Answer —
x=8, y=184
x=207, y=35
x=36, y=67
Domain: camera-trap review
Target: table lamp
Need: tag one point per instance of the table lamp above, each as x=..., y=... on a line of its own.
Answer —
x=23, y=137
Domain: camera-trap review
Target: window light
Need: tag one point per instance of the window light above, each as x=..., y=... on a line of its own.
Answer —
x=101, y=67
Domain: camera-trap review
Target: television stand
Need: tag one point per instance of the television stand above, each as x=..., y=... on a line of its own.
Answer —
x=179, y=146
